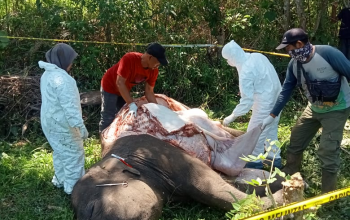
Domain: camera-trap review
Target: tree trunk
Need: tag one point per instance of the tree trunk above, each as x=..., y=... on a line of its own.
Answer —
x=322, y=6
x=108, y=32
x=301, y=14
x=286, y=17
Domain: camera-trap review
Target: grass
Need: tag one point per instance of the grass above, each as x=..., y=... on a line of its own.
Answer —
x=26, y=170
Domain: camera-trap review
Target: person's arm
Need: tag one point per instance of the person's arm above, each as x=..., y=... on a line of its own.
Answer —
x=336, y=59
x=246, y=87
x=287, y=89
x=123, y=89
x=149, y=93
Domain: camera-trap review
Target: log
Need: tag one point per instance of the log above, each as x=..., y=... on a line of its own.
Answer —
x=293, y=191
x=90, y=98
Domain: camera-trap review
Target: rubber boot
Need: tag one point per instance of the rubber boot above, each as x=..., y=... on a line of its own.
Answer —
x=329, y=181
x=293, y=164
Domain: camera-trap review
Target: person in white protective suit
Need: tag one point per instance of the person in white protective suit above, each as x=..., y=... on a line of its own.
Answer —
x=259, y=87
x=61, y=116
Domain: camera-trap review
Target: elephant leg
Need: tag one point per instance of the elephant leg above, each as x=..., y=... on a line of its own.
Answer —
x=208, y=187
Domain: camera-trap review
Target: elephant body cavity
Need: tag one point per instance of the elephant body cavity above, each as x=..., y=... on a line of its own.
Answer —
x=185, y=128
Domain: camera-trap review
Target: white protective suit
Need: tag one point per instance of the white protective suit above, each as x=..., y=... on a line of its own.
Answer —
x=62, y=124
x=259, y=87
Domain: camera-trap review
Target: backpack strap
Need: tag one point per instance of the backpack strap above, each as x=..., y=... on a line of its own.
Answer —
x=299, y=65
x=300, y=69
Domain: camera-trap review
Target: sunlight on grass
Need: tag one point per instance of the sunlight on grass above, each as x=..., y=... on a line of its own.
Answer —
x=26, y=171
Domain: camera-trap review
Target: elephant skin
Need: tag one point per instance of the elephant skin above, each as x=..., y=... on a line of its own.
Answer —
x=160, y=173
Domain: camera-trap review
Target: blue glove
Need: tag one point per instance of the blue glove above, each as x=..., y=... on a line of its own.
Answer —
x=132, y=110
x=267, y=121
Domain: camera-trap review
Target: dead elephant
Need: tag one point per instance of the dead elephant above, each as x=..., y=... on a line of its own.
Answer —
x=160, y=173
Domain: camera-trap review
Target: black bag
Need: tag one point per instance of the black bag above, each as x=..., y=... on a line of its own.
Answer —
x=323, y=90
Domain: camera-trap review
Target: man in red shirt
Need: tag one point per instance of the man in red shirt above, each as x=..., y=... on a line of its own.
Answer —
x=133, y=68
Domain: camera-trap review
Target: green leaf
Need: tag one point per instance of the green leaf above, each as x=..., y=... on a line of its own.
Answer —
x=236, y=206
x=278, y=144
x=253, y=157
x=259, y=181
x=273, y=174
x=263, y=157
x=250, y=183
x=245, y=159
x=271, y=180
x=279, y=172
x=256, y=181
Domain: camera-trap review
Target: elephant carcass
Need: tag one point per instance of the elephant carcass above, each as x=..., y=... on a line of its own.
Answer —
x=160, y=173
x=188, y=129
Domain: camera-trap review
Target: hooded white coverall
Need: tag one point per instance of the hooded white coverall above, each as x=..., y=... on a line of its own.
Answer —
x=259, y=87
x=61, y=121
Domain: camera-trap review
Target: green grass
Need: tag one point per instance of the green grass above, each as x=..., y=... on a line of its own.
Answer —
x=26, y=170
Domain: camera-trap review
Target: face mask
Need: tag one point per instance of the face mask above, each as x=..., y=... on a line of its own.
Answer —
x=301, y=54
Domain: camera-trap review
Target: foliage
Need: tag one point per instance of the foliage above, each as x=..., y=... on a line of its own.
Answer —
x=272, y=175
x=245, y=207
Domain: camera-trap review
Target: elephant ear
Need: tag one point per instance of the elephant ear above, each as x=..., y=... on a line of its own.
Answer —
x=132, y=170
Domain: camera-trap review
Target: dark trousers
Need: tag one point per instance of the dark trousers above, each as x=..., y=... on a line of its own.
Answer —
x=110, y=106
x=344, y=46
x=332, y=124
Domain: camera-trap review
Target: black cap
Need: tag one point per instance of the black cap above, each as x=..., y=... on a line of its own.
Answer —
x=291, y=36
x=158, y=52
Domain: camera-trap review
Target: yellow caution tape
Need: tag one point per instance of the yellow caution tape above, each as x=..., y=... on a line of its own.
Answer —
x=271, y=53
x=300, y=206
x=138, y=44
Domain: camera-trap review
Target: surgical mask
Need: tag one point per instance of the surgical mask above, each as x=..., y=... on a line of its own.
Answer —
x=301, y=54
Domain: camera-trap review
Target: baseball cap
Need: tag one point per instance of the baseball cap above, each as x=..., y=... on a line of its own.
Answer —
x=158, y=52
x=292, y=36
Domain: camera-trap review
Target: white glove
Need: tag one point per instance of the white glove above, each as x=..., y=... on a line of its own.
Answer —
x=83, y=132
x=132, y=110
x=267, y=121
x=229, y=119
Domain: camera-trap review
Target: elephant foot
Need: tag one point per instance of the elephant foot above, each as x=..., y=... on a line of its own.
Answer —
x=248, y=174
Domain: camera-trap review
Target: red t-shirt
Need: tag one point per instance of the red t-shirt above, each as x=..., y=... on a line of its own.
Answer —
x=130, y=68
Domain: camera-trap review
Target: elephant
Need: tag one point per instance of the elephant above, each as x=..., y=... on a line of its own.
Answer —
x=152, y=174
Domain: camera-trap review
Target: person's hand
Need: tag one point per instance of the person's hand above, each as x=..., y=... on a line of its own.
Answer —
x=132, y=110
x=83, y=132
x=267, y=121
x=229, y=119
